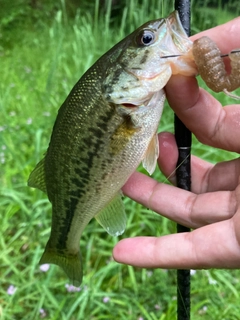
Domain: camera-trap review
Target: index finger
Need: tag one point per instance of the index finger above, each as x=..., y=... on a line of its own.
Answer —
x=213, y=246
x=187, y=208
x=225, y=35
x=203, y=114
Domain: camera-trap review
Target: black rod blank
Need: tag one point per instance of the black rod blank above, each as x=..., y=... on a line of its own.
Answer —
x=183, y=172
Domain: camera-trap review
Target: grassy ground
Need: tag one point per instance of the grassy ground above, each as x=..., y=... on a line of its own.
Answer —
x=39, y=66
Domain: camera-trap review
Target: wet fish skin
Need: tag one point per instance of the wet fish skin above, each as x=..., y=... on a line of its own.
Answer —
x=104, y=129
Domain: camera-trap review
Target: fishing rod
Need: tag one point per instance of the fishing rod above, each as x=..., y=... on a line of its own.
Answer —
x=183, y=174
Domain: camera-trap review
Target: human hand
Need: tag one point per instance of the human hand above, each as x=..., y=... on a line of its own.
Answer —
x=212, y=208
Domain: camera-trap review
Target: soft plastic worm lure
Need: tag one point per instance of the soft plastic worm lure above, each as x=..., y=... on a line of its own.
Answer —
x=211, y=67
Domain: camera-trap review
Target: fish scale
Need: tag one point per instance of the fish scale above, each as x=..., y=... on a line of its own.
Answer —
x=104, y=129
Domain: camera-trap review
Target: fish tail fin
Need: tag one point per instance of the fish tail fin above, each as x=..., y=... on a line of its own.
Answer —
x=71, y=264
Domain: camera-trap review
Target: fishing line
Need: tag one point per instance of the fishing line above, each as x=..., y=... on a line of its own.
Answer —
x=174, y=171
x=231, y=95
x=167, y=179
x=180, y=55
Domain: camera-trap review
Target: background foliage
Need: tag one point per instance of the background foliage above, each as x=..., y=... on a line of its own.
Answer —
x=45, y=46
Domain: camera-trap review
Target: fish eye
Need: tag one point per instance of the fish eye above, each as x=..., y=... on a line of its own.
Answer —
x=145, y=38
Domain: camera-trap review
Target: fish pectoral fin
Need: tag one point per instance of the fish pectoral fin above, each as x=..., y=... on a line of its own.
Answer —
x=150, y=159
x=113, y=217
x=70, y=263
x=37, y=177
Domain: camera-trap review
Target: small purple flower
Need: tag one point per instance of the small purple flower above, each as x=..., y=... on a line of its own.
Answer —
x=44, y=267
x=11, y=290
x=193, y=272
x=2, y=157
x=149, y=273
x=212, y=281
x=203, y=310
x=27, y=69
x=106, y=299
x=43, y=313
x=46, y=114
x=72, y=288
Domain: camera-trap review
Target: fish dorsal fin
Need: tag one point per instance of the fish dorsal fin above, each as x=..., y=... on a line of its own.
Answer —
x=150, y=159
x=113, y=217
x=37, y=177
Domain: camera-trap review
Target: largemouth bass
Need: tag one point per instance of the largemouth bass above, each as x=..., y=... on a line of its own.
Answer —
x=104, y=129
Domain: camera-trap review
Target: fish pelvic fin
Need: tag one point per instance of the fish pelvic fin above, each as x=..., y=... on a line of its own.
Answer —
x=37, y=177
x=70, y=263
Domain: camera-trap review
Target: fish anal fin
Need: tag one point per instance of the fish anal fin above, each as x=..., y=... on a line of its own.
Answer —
x=150, y=159
x=37, y=177
x=70, y=263
x=113, y=217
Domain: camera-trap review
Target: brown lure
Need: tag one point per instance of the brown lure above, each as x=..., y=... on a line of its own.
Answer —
x=208, y=59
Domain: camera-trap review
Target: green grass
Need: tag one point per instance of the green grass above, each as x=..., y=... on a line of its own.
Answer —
x=39, y=66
